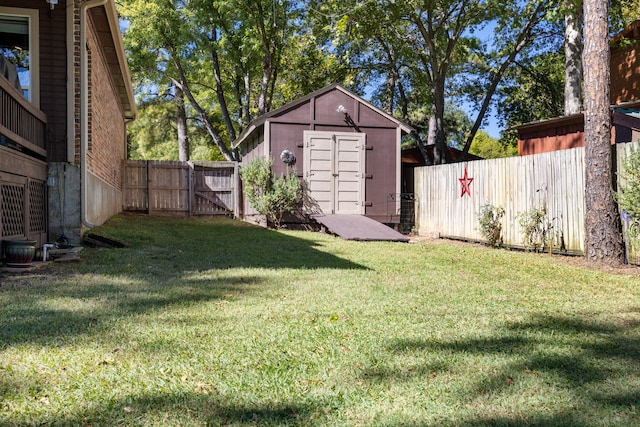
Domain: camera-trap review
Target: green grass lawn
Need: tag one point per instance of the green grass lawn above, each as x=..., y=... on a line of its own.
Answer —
x=216, y=322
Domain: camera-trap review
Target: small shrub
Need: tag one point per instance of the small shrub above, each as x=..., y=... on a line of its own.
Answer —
x=269, y=195
x=537, y=228
x=490, y=218
x=629, y=196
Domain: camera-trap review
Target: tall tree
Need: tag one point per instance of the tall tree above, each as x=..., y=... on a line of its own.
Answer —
x=603, y=239
x=223, y=55
x=181, y=127
x=572, y=57
x=519, y=25
x=417, y=51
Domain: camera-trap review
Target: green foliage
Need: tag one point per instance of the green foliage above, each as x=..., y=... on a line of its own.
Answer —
x=628, y=195
x=457, y=124
x=491, y=148
x=490, y=218
x=534, y=90
x=227, y=57
x=622, y=13
x=270, y=196
x=536, y=228
x=152, y=136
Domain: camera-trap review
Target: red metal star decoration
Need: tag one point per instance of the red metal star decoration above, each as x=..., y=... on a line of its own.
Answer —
x=465, y=181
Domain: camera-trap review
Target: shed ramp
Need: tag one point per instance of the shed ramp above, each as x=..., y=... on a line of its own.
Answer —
x=359, y=227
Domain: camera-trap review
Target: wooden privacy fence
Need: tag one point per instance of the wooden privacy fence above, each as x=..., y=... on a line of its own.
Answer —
x=516, y=184
x=172, y=188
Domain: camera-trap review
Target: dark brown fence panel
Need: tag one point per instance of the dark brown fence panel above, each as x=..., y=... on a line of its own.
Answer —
x=135, y=188
x=180, y=188
x=214, y=188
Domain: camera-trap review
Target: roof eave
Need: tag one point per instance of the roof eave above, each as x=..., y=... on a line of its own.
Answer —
x=128, y=106
x=253, y=125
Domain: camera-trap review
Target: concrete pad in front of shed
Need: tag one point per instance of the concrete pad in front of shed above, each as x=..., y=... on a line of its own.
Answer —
x=359, y=227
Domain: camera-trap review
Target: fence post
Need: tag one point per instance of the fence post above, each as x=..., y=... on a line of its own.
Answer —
x=191, y=184
x=236, y=190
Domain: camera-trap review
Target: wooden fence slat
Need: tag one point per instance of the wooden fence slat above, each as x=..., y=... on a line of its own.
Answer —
x=517, y=184
x=180, y=188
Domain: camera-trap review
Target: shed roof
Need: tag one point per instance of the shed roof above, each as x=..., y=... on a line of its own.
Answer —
x=631, y=31
x=259, y=121
x=627, y=108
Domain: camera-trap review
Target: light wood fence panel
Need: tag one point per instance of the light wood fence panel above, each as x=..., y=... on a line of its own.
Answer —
x=516, y=184
x=169, y=188
x=215, y=188
x=622, y=153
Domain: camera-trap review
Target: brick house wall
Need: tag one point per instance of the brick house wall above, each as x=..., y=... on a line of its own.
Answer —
x=107, y=141
x=104, y=123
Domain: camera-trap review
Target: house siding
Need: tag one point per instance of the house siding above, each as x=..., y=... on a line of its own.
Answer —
x=625, y=74
x=52, y=76
x=109, y=103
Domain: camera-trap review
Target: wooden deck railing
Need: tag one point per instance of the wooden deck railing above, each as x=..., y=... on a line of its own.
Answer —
x=22, y=125
x=23, y=170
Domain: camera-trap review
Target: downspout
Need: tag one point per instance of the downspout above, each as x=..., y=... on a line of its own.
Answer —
x=84, y=107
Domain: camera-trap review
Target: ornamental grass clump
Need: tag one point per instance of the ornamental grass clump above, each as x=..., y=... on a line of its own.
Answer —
x=270, y=195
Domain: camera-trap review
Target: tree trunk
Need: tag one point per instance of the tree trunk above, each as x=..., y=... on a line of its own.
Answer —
x=181, y=124
x=211, y=129
x=436, y=136
x=222, y=101
x=603, y=240
x=523, y=39
x=573, y=62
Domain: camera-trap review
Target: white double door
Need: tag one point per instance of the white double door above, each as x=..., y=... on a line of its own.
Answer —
x=334, y=168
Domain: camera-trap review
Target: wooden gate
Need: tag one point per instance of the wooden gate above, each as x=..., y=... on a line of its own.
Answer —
x=172, y=188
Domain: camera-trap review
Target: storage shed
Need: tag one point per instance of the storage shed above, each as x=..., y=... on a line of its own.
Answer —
x=345, y=149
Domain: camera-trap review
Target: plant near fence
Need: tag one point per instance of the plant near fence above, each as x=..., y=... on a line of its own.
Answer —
x=269, y=195
x=628, y=197
x=490, y=219
x=537, y=229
